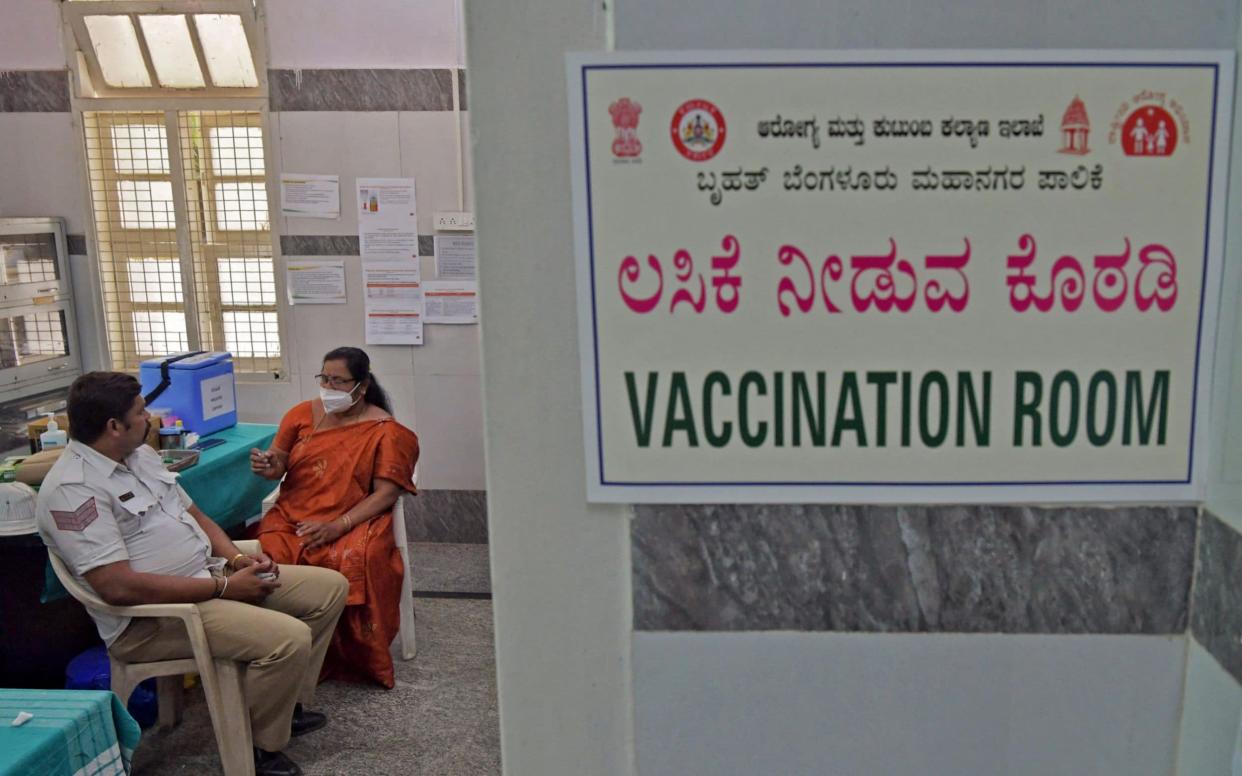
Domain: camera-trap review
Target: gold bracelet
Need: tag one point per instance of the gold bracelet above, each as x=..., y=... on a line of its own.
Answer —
x=349, y=522
x=233, y=561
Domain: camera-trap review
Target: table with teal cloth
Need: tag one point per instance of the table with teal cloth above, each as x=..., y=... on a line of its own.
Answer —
x=72, y=733
x=221, y=484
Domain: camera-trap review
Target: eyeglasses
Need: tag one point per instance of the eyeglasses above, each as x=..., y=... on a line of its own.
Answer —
x=335, y=382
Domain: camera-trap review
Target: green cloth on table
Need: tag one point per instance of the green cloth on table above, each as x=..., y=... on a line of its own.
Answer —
x=72, y=733
x=221, y=484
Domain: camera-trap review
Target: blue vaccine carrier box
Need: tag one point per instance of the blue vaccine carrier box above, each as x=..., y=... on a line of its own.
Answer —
x=202, y=393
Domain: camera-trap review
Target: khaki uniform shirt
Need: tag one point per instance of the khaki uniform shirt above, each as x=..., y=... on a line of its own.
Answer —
x=93, y=511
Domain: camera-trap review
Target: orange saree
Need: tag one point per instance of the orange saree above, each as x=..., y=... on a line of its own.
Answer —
x=330, y=471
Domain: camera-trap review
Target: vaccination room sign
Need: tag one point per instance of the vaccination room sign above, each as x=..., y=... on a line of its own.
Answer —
x=898, y=277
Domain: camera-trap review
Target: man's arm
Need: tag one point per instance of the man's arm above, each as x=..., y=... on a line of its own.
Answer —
x=222, y=546
x=119, y=585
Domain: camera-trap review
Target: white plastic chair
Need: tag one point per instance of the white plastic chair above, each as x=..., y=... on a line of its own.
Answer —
x=409, y=646
x=221, y=678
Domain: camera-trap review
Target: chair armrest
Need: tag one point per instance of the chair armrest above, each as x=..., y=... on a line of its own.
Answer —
x=269, y=500
x=248, y=546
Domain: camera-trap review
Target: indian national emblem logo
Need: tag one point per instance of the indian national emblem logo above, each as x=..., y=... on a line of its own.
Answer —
x=625, y=120
x=1149, y=130
x=698, y=130
x=1075, y=126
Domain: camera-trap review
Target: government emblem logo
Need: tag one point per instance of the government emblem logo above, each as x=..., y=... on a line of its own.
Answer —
x=698, y=130
x=625, y=121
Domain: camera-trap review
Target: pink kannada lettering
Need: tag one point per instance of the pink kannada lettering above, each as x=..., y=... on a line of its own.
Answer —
x=630, y=270
x=722, y=280
x=1160, y=258
x=885, y=295
x=786, y=256
x=726, y=284
x=685, y=268
x=935, y=293
x=1156, y=282
x=1110, y=284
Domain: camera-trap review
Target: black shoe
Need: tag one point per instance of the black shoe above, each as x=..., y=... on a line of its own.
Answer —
x=306, y=721
x=274, y=764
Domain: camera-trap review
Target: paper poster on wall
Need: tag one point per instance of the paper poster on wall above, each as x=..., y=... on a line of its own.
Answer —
x=316, y=281
x=394, y=303
x=455, y=257
x=898, y=277
x=387, y=219
x=452, y=301
x=310, y=196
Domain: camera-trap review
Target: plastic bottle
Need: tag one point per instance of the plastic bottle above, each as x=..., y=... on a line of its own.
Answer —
x=54, y=436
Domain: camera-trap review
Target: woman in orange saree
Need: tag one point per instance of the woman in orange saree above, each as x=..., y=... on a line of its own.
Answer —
x=345, y=461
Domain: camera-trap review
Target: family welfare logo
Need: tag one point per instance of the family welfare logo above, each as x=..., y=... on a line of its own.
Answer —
x=1150, y=124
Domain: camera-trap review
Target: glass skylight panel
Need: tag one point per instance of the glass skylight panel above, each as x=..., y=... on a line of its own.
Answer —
x=172, y=51
x=116, y=47
x=226, y=50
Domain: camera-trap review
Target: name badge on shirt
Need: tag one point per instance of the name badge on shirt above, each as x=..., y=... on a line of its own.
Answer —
x=126, y=496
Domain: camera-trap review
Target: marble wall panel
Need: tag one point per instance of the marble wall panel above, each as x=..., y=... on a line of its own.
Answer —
x=965, y=569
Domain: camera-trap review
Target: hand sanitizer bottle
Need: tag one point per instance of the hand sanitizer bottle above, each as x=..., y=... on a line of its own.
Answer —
x=54, y=436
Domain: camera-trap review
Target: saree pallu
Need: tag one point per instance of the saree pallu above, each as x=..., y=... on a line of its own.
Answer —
x=329, y=472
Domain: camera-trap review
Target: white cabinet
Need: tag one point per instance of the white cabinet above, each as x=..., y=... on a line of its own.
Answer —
x=38, y=334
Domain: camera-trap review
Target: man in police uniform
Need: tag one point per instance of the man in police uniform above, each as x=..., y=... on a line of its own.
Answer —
x=124, y=527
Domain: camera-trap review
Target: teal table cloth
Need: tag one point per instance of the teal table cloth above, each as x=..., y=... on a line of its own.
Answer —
x=72, y=733
x=221, y=484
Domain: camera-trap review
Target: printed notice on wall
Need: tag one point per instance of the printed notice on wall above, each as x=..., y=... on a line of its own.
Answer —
x=387, y=219
x=394, y=303
x=316, y=281
x=455, y=258
x=310, y=196
x=452, y=301
x=916, y=277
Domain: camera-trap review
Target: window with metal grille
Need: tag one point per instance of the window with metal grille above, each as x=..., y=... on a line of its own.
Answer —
x=183, y=231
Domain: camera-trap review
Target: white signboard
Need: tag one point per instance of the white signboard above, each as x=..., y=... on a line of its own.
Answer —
x=898, y=277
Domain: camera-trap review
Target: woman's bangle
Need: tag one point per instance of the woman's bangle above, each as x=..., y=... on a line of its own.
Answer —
x=233, y=561
x=222, y=584
x=349, y=521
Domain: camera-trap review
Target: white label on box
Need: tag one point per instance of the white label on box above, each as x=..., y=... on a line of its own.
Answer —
x=218, y=396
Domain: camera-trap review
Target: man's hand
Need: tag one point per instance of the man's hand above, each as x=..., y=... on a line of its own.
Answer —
x=246, y=585
x=262, y=560
x=318, y=534
x=261, y=463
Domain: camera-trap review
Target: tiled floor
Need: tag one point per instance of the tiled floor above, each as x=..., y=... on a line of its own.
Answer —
x=443, y=568
x=439, y=720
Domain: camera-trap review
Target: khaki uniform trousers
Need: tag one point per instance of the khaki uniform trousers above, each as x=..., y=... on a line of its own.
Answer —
x=283, y=641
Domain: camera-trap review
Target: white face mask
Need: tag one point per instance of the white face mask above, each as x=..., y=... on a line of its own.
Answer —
x=337, y=401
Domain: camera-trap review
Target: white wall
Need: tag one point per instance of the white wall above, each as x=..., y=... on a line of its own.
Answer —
x=562, y=565
x=363, y=33
x=30, y=36
x=906, y=705
x=435, y=388
x=560, y=574
x=1208, y=740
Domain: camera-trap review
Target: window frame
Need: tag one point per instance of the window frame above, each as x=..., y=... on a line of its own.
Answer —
x=85, y=99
